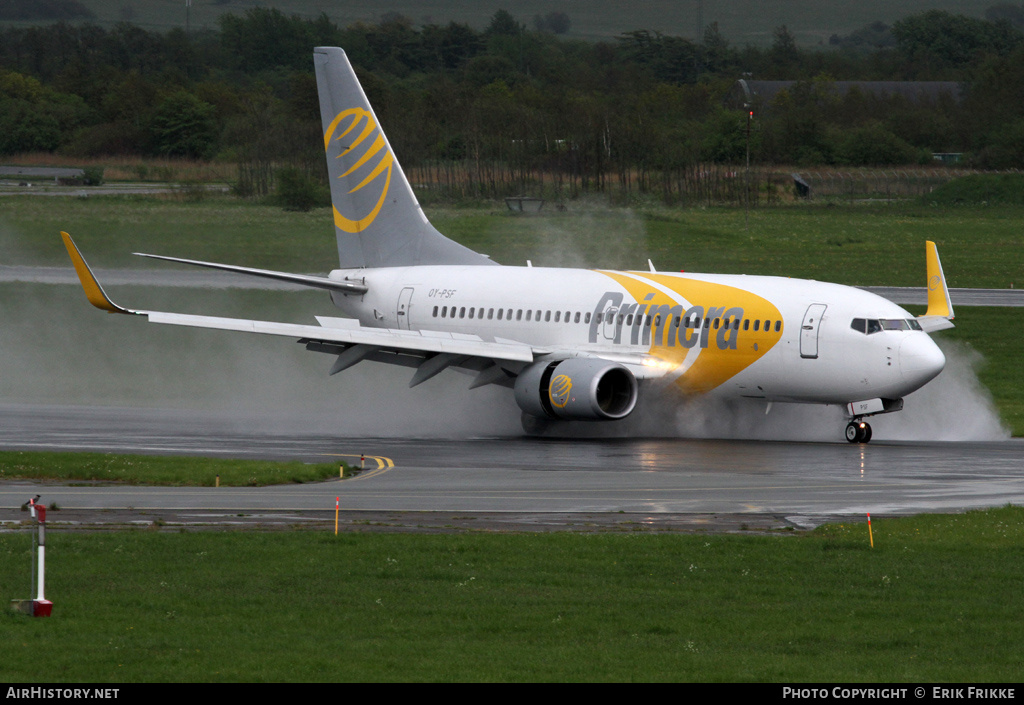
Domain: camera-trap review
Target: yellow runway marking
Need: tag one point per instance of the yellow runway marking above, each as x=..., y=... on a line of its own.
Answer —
x=383, y=464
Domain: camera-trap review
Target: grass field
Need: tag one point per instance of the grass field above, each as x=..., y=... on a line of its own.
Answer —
x=933, y=601
x=158, y=470
x=857, y=245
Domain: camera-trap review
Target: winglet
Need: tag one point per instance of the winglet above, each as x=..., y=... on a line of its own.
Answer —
x=93, y=291
x=939, y=303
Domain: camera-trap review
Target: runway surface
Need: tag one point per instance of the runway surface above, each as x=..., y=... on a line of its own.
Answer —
x=794, y=484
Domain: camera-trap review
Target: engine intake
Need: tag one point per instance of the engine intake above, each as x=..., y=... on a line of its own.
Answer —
x=577, y=389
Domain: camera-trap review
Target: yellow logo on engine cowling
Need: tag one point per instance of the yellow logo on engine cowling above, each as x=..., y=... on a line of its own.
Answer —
x=359, y=123
x=559, y=390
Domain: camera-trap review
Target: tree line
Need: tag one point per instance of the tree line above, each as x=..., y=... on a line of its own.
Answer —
x=514, y=107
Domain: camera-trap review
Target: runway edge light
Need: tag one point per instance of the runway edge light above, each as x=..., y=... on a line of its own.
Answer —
x=871, y=536
x=40, y=606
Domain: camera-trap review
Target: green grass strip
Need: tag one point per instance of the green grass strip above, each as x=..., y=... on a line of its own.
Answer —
x=935, y=600
x=158, y=470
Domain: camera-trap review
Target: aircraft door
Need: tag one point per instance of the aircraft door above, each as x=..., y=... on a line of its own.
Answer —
x=404, y=304
x=809, y=331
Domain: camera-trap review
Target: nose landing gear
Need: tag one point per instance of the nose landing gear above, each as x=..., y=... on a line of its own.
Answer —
x=858, y=432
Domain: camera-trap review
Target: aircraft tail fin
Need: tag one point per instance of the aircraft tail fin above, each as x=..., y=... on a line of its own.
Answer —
x=377, y=219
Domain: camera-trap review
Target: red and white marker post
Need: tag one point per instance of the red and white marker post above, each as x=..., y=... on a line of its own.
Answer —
x=40, y=606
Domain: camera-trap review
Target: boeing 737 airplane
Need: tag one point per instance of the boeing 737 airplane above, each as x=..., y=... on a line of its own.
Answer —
x=572, y=344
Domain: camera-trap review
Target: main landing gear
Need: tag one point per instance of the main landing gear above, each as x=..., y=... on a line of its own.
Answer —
x=858, y=431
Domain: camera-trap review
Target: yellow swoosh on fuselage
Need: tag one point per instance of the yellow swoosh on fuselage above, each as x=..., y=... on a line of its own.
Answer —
x=713, y=366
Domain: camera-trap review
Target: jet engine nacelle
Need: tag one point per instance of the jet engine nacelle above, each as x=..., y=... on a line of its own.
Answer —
x=577, y=389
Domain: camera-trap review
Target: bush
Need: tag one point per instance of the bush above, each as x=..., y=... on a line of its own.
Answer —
x=93, y=175
x=874, y=146
x=298, y=191
x=980, y=189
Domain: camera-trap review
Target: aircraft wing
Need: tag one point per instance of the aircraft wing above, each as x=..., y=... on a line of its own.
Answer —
x=494, y=361
x=345, y=287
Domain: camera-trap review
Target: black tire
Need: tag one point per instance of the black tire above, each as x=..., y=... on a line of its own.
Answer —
x=853, y=432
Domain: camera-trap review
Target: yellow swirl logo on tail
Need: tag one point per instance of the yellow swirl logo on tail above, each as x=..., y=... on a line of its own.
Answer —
x=358, y=125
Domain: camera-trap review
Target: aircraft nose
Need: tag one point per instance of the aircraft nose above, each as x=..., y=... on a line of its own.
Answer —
x=920, y=359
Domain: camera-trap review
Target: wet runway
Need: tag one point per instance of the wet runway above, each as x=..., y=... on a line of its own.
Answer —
x=805, y=482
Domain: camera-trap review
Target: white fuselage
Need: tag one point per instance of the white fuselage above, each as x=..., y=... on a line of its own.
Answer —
x=772, y=338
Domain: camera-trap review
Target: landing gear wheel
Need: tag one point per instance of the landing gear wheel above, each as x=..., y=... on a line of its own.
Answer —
x=858, y=432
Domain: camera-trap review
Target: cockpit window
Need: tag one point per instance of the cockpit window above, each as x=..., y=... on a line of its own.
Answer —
x=871, y=325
